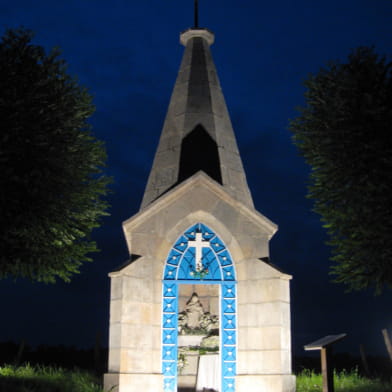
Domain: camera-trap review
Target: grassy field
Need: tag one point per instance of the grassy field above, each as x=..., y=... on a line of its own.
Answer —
x=48, y=379
x=344, y=382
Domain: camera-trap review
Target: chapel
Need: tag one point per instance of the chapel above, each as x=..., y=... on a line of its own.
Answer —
x=198, y=307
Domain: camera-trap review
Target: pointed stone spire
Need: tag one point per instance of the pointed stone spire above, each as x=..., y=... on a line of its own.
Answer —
x=197, y=133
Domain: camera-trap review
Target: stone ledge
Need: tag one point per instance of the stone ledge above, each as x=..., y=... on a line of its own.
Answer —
x=265, y=383
x=192, y=33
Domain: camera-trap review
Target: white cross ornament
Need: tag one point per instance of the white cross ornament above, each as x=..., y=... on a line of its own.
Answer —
x=199, y=244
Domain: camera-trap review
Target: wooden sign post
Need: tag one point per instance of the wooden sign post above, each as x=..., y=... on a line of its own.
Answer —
x=325, y=345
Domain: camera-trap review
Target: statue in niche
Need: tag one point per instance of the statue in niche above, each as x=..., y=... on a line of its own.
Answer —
x=198, y=337
x=193, y=320
x=194, y=311
x=189, y=318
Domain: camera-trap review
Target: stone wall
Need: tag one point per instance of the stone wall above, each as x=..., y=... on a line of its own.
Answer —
x=263, y=347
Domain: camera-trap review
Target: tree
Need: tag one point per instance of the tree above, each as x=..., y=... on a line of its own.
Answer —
x=344, y=134
x=51, y=179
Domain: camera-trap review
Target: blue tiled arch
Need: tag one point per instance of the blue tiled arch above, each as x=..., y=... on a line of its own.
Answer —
x=217, y=268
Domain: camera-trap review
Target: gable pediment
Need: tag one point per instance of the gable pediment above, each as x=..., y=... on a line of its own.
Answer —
x=198, y=197
x=197, y=190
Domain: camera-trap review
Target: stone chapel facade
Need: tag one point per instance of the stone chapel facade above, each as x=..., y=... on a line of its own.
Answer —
x=198, y=231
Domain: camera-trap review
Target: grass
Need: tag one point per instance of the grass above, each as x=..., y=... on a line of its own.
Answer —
x=46, y=379
x=49, y=379
x=309, y=381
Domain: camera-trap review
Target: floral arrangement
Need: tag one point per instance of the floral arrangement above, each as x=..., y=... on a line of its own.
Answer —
x=181, y=362
x=199, y=273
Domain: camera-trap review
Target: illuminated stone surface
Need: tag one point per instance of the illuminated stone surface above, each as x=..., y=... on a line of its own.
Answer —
x=253, y=297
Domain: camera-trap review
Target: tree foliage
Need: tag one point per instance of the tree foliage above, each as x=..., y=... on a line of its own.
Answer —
x=344, y=134
x=51, y=178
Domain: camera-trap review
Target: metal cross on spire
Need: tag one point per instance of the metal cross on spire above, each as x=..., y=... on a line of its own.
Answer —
x=196, y=24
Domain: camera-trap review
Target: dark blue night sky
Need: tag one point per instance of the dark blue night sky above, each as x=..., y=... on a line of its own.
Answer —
x=128, y=53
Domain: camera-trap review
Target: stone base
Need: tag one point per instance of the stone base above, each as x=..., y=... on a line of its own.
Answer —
x=265, y=383
x=132, y=382
x=186, y=382
x=125, y=382
x=192, y=359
